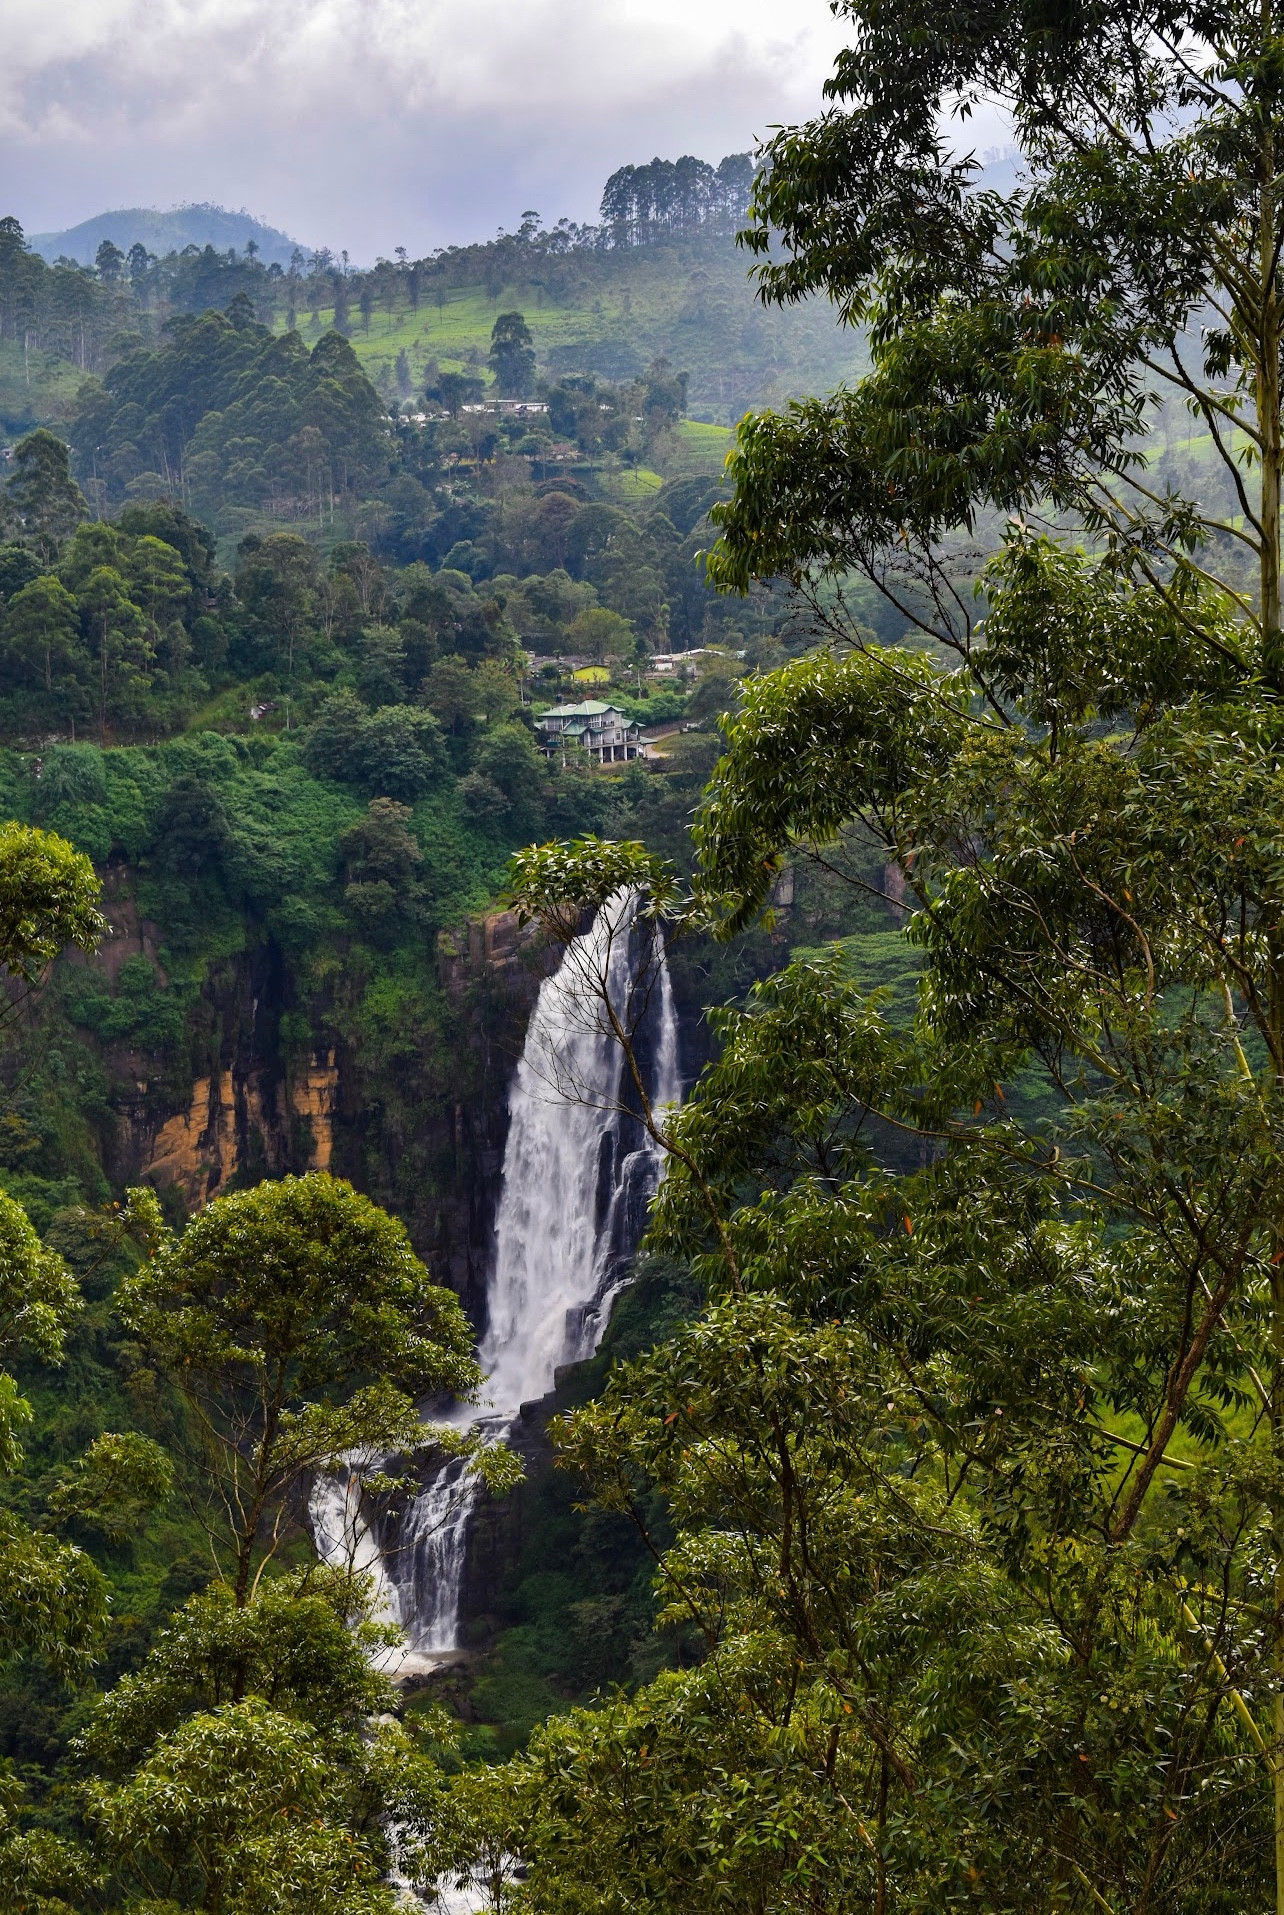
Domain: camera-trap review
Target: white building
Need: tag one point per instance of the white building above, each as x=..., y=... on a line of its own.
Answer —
x=664, y=664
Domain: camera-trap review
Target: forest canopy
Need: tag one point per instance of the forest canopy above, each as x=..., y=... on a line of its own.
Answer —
x=226, y=412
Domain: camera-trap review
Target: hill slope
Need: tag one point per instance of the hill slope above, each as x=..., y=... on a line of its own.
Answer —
x=689, y=301
x=200, y=225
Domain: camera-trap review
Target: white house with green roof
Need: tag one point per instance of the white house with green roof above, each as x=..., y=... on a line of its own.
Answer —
x=605, y=731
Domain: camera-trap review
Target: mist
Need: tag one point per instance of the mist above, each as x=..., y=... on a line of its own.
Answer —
x=369, y=124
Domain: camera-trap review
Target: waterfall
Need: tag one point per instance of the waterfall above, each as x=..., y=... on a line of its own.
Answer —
x=563, y=1114
x=432, y=1550
x=579, y=1176
x=638, y=1175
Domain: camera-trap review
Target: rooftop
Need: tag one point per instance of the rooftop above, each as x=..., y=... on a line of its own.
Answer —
x=591, y=708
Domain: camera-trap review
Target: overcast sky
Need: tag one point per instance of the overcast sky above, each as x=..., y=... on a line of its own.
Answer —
x=369, y=124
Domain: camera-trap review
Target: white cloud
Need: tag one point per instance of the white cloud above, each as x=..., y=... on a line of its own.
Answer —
x=367, y=123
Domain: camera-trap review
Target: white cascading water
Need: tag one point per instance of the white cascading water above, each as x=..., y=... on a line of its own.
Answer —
x=571, y=1210
x=432, y=1550
x=563, y=1103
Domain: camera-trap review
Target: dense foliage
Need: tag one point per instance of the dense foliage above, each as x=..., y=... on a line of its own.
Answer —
x=251, y=430
x=974, y=1454
x=225, y=411
x=53, y=1597
x=123, y=629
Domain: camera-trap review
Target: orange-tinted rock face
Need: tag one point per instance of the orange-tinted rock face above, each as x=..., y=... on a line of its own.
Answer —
x=427, y=1141
x=312, y=1096
x=197, y=1149
x=232, y=1124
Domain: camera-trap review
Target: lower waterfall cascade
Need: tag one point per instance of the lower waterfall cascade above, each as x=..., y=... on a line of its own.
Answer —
x=579, y=1176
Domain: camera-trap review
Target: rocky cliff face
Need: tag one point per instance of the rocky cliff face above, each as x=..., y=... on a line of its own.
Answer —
x=270, y=1077
x=232, y=1105
x=424, y=1135
x=282, y=1120
x=490, y=970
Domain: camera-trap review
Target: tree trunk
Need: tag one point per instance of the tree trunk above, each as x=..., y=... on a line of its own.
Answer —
x=1277, y=1722
x=1268, y=415
x=1268, y=422
x=880, y=1887
x=1273, y=671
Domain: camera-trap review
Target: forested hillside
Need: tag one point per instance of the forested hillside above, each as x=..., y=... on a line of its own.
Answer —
x=660, y=278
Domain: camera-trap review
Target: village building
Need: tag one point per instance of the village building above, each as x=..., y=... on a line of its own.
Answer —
x=609, y=734
x=664, y=664
x=514, y=408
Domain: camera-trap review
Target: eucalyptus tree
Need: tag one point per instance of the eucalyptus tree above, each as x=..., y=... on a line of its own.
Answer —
x=977, y=1454
x=512, y=356
x=42, y=495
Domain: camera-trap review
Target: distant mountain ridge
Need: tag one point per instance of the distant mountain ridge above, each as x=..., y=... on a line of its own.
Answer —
x=164, y=232
x=205, y=224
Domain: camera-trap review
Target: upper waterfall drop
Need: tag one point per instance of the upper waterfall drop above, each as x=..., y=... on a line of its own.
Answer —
x=564, y=1113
